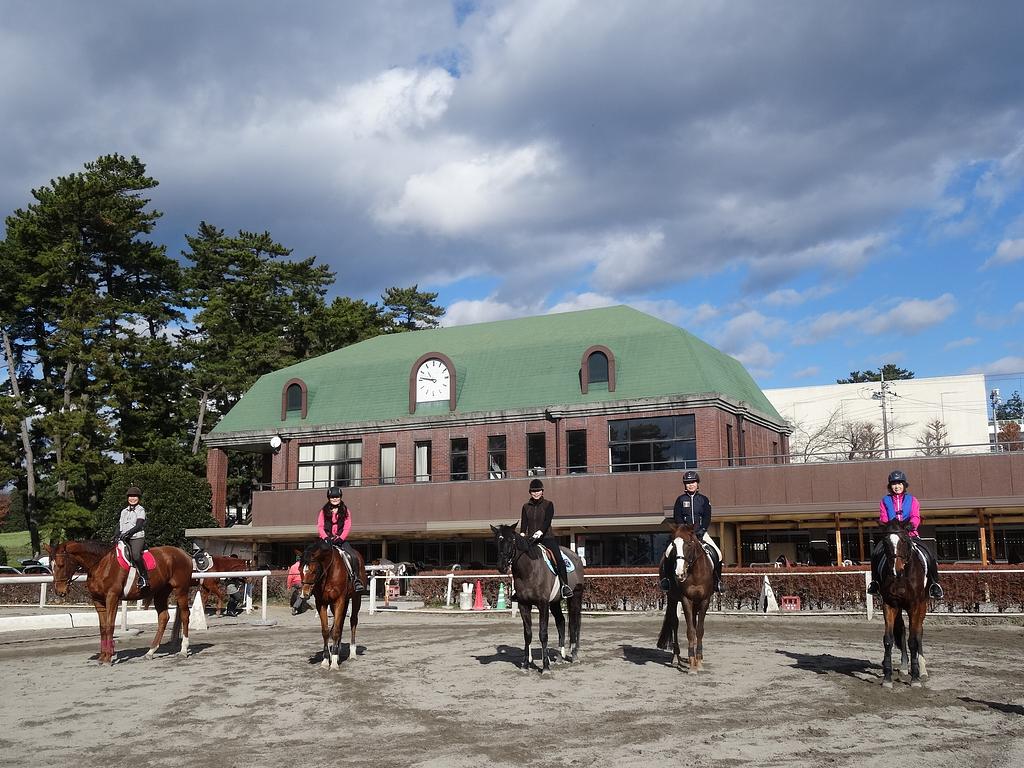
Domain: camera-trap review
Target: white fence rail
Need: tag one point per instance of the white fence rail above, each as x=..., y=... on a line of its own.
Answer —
x=44, y=581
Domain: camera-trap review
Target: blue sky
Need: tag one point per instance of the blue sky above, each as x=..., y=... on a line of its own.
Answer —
x=811, y=187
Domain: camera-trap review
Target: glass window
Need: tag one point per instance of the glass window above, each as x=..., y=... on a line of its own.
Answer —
x=597, y=368
x=576, y=443
x=422, y=462
x=641, y=445
x=460, y=458
x=325, y=464
x=293, y=398
x=536, y=447
x=496, y=462
x=388, y=454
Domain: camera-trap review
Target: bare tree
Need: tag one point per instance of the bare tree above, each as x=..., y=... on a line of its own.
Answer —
x=860, y=440
x=934, y=439
x=817, y=443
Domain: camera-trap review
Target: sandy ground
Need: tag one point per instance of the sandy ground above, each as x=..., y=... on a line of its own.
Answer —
x=428, y=690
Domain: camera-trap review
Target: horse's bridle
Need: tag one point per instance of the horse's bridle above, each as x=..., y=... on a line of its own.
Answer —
x=513, y=543
x=74, y=573
x=321, y=574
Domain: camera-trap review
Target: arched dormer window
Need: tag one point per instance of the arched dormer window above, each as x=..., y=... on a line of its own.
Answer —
x=597, y=367
x=294, y=399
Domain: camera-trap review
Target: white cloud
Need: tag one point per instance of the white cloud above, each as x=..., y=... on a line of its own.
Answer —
x=758, y=358
x=806, y=373
x=469, y=311
x=628, y=259
x=1011, y=364
x=967, y=341
x=1007, y=252
x=467, y=195
x=788, y=297
x=907, y=316
x=394, y=101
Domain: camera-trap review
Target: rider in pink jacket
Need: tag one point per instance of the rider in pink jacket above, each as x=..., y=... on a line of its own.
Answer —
x=333, y=525
x=897, y=504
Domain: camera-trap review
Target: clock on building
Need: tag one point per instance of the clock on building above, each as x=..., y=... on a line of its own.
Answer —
x=433, y=381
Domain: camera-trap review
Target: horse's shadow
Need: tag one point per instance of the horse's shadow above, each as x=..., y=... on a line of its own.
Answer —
x=135, y=654
x=641, y=655
x=318, y=657
x=826, y=663
x=1010, y=709
x=509, y=654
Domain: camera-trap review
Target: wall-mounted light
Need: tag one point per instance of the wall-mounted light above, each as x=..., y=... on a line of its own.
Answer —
x=275, y=443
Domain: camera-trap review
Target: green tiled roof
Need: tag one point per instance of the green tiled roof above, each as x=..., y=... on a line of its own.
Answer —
x=531, y=362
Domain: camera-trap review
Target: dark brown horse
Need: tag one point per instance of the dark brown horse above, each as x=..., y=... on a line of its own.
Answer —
x=536, y=585
x=326, y=577
x=693, y=583
x=902, y=585
x=172, y=575
x=212, y=588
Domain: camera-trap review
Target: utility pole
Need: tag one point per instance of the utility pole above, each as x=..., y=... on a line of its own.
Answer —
x=994, y=397
x=880, y=395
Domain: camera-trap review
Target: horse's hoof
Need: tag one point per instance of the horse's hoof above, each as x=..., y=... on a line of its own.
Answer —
x=662, y=646
x=915, y=683
x=692, y=671
x=887, y=683
x=325, y=664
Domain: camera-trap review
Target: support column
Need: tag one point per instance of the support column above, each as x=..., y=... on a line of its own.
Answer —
x=217, y=477
x=982, y=537
x=860, y=540
x=739, y=545
x=384, y=548
x=839, y=543
x=992, y=538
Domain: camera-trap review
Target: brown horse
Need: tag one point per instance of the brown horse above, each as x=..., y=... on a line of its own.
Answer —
x=106, y=581
x=693, y=584
x=212, y=588
x=902, y=585
x=326, y=577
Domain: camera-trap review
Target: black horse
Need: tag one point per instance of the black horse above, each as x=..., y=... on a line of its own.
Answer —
x=535, y=584
x=903, y=586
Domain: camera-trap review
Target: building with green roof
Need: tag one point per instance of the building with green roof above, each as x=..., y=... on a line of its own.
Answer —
x=431, y=433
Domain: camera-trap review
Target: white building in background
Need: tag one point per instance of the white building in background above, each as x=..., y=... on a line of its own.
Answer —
x=820, y=414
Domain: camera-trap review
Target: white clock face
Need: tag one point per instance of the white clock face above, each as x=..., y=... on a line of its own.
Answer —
x=432, y=382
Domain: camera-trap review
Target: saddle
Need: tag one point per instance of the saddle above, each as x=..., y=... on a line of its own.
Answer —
x=201, y=559
x=549, y=560
x=124, y=558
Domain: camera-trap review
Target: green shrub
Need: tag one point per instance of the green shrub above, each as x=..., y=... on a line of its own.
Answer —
x=3, y=556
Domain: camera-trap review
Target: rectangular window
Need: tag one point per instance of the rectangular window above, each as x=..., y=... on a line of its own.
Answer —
x=460, y=458
x=775, y=452
x=496, y=463
x=422, y=462
x=536, y=460
x=642, y=445
x=325, y=464
x=576, y=445
x=728, y=444
x=388, y=454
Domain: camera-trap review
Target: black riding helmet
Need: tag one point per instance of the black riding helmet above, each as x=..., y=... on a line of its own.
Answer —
x=897, y=476
x=334, y=492
x=133, y=490
x=691, y=477
x=536, y=485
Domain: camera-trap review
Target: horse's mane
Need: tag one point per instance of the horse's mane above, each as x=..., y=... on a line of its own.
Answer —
x=93, y=546
x=311, y=552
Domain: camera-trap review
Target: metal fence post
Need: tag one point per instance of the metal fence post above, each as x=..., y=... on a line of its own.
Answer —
x=867, y=597
x=373, y=594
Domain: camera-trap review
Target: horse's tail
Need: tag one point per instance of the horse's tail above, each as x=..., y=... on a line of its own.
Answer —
x=666, y=625
x=176, y=627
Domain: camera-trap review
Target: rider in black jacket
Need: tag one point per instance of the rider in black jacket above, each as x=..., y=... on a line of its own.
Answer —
x=535, y=525
x=694, y=508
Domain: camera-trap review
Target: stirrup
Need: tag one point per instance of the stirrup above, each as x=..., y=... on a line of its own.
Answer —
x=935, y=591
x=873, y=587
x=718, y=586
x=567, y=591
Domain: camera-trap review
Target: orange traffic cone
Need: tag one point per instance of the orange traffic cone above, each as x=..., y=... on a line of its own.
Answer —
x=478, y=600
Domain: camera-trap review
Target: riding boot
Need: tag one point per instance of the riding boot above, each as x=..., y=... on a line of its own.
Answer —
x=563, y=577
x=718, y=576
x=665, y=583
x=873, y=587
x=934, y=588
x=143, y=574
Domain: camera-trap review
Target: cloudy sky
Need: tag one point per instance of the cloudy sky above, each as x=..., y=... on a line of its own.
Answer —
x=812, y=187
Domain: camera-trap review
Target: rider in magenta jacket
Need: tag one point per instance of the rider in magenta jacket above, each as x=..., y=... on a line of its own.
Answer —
x=897, y=504
x=333, y=525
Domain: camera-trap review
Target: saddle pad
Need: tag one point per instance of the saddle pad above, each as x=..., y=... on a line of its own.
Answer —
x=122, y=559
x=569, y=567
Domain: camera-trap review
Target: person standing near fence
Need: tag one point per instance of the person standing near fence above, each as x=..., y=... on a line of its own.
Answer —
x=694, y=508
x=294, y=583
x=897, y=504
